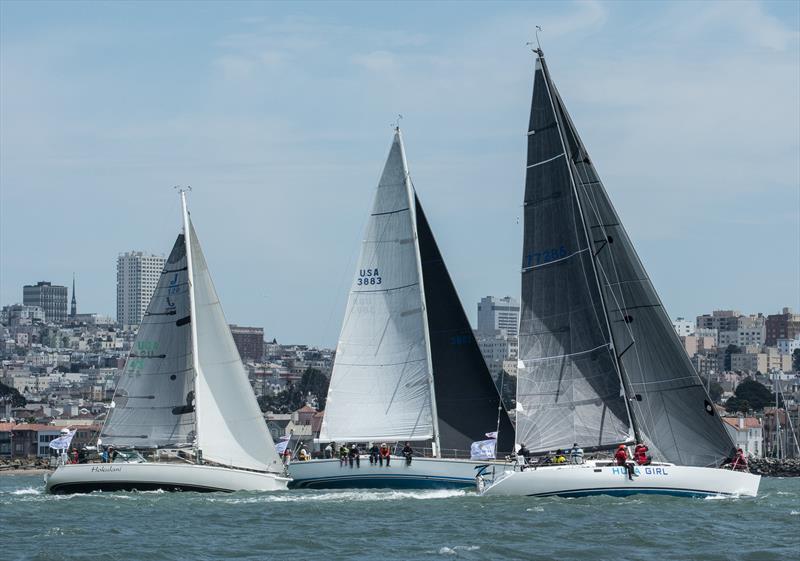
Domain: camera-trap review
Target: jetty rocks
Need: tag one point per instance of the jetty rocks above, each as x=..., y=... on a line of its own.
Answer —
x=773, y=467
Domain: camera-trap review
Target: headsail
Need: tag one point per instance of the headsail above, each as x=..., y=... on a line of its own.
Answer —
x=674, y=412
x=467, y=401
x=568, y=387
x=379, y=387
x=154, y=401
x=231, y=428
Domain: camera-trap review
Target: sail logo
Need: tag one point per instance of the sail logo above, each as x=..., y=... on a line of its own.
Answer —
x=541, y=257
x=368, y=277
x=173, y=285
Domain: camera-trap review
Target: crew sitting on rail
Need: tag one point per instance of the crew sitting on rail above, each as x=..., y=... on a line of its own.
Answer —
x=303, y=455
x=559, y=458
x=621, y=457
x=354, y=455
x=374, y=454
x=385, y=454
x=408, y=452
x=343, y=452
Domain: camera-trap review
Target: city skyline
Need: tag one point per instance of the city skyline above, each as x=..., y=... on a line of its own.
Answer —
x=702, y=165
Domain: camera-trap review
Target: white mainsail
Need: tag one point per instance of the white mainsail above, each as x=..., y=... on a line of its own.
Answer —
x=381, y=386
x=231, y=429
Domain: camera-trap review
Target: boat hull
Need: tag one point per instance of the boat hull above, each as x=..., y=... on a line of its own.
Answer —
x=86, y=478
x=423, y=473
x=587, y=480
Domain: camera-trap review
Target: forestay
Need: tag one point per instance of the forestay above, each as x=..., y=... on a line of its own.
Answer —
x=669, y=401
x=379, y=386
x=153, y=404
x=231, y=428
x=568, y=387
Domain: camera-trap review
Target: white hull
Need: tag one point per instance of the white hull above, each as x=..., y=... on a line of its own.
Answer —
x=423, y=473
x=589, y=479
x=85, y=478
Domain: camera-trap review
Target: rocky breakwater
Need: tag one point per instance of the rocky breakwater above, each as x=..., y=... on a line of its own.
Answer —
x=24, y=464
x=773, y=467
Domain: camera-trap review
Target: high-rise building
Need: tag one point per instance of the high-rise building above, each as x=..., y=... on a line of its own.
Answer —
x=137, y=277
x=498, y=313
x=249, y=341
x=785, y=325
x=49, y=297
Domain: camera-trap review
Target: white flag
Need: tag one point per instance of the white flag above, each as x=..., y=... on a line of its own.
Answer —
x=482, y=449
x=519, y=407
x=63, y=441
x=280, y=447
x=491, y=434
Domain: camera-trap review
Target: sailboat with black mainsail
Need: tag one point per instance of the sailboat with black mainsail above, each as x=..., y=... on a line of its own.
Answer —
x=599, y=361
x=183, y=395
x=407, y=365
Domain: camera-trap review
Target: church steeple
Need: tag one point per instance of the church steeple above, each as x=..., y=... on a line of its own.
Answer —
x=74, y=308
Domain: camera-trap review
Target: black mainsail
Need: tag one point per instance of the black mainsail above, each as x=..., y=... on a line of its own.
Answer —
x=591, y=317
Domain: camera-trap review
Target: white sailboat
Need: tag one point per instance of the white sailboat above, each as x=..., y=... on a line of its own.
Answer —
x=599, y=362
x=184, y=393
x=407, y=365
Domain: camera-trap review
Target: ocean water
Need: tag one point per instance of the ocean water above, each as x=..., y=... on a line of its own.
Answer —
x=387, y=525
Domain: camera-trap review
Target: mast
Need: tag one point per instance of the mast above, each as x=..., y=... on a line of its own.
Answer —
x=568, y=156
x=192, y=310
x=413, y=209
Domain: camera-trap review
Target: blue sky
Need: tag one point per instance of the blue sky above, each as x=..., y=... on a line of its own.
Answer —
x=278, y=115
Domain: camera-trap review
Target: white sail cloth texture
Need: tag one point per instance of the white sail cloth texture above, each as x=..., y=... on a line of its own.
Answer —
x=231, y=428
x=379, y=387
x=567, y=384
x=153, y=404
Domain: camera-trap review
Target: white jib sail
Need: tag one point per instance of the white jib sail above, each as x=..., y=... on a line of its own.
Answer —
x=231, y=429
x=380, y=382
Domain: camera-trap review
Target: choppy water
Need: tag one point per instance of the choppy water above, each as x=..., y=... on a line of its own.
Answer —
x=381, y=525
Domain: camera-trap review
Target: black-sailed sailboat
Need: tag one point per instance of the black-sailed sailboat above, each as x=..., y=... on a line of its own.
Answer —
x=600, y=365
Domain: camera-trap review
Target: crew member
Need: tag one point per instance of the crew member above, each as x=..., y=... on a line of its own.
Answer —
x=354, y=456
x=559, y=458
x=385, y=454
x=303, y=455
x=621, y=457
x=576, y=454
x=640, y=455
x=740, y=461
x=374, y=454
x=408, y=452
x=343, y=452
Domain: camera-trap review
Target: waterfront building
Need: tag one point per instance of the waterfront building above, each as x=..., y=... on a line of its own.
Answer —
x=249, y=341
x=785, y=325
x=137, y=277
x=747, y=434
x=51, y=298
x=683, y=327
x=498, y=314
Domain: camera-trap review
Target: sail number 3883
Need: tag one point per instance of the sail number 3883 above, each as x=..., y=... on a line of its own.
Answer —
x=368, y=277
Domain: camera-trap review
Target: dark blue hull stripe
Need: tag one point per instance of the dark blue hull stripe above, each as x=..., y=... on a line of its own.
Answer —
x=112, y=486
x=625, y=491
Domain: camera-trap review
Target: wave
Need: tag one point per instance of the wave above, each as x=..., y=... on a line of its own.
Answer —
x=343, y=496
x=26, y=491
